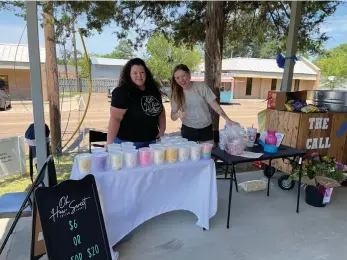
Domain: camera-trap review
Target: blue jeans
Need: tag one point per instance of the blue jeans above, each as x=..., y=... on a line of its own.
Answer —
x=137, y=144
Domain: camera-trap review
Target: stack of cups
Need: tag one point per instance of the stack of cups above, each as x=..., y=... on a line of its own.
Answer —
x=164, y=139
x=191, y=143
x=166, y=146
x=127, y=145
x=158, y=155
x=251, y=135
x=98, y=150
x=195, y=152
x=152, y=147
x=116, y=159
x=84, y=161
x=145, y=156
x=206, y=150
x=130, y=158
x=101, y=161
x=114, y=147
x=183, y=153
x=172, y=154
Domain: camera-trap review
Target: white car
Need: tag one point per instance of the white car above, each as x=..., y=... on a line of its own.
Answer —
x=5, y=100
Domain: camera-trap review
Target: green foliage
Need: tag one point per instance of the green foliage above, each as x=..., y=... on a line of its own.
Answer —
x=315, y=166
x=123, y=50
x=334, y=63
x=82, y=64
x=163, y=56
x=246, y=23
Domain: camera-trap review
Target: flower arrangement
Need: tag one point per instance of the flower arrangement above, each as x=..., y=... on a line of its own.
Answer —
x=320, y=171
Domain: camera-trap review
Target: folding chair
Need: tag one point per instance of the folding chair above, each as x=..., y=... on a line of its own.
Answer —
x=96, y=136
x=18, y=204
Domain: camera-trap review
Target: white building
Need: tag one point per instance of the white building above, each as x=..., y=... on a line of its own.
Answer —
x=106, y=68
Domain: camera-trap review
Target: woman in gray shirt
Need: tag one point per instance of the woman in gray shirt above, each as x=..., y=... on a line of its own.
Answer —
x=190, y=102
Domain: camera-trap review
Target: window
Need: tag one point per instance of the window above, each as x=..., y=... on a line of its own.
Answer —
x=249, y=87
x=273, y=84
x=5, y=79
x=297, y=85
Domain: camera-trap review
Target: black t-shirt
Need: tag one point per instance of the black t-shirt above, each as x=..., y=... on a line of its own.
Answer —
x=141, y=120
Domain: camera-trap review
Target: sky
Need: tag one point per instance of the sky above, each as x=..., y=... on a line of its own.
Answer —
x=11, y=28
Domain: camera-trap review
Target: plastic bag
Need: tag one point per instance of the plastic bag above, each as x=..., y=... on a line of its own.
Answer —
x=236, y=139
x=255, y=185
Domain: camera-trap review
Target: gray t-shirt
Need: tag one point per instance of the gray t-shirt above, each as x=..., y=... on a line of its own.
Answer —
x=197, y=113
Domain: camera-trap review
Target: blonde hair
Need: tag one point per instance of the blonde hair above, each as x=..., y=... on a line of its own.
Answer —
x=177, y=94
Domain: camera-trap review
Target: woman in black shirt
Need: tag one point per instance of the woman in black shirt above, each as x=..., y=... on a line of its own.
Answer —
x=137, y=113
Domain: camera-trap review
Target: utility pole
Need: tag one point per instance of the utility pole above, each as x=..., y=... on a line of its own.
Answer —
x=65, y=61
x=292, y=43
x=79, y=89
x=52, y=77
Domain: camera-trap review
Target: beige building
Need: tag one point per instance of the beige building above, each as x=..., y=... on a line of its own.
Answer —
x=15, y=71
x=253, y=78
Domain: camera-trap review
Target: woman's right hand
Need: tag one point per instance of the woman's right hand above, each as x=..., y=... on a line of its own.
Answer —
x=181, y=114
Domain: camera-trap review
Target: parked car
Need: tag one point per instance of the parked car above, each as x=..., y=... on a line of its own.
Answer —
x=5, y=100
x=109, y=91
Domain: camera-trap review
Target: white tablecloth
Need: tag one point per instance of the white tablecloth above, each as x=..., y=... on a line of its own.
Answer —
x=130, y=197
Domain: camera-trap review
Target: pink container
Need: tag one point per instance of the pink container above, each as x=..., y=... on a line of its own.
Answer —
x=145, y=156
x=271, y=138
x=206, y=150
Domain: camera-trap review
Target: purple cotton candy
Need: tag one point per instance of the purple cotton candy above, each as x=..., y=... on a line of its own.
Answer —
x=298, y=105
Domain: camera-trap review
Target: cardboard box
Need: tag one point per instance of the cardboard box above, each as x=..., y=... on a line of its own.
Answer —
x=277, y=99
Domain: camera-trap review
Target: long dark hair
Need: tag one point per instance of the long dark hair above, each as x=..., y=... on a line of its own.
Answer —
x=125, y=79
x=177, y=93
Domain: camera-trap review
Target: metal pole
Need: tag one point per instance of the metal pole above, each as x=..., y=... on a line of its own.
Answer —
x=36, y=84
x=79, y=89
x=292, y=43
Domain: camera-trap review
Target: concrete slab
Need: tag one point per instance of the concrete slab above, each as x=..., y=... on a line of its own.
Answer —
x=261, y=228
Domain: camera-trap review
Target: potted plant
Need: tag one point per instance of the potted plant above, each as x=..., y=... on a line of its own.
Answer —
x=320, y=174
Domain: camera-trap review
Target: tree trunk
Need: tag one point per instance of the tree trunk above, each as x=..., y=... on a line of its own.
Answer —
x=79, y=88
x=65, y=62
x=52, y=78
x=214, y=19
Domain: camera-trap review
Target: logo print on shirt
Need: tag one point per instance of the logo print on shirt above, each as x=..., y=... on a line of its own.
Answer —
x=151, y=106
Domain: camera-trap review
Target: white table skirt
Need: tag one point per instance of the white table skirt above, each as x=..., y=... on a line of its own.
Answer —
x=130, y=197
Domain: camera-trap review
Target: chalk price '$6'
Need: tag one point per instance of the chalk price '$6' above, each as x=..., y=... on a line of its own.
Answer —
x=73, y=224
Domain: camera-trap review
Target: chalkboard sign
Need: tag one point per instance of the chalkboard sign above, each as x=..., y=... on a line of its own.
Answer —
x=72, y=221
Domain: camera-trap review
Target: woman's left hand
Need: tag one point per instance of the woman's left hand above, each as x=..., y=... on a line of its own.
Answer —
x=160, y=134
x=232, y=123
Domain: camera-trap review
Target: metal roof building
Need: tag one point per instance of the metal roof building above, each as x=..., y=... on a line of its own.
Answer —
x=266, y=68
x=18, y=55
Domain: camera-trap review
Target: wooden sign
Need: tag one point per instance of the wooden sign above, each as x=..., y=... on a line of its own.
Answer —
x=325, y=133
x=72, y=221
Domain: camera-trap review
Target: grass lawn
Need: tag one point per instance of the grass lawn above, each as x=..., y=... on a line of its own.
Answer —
x=22, y=182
